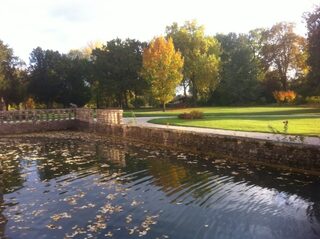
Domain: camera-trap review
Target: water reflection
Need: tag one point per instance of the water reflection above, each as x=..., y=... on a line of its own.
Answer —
x=3, y=219
x=82, y=188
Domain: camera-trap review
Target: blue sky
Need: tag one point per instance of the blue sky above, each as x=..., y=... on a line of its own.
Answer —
x=69, y=24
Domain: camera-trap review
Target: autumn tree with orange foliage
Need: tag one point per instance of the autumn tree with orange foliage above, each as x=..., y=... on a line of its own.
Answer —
x=162, y=68
x=285, y=96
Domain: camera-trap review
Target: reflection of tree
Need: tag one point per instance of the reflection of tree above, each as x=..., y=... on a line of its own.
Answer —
x=171, y=175
x=168, y=175
x=3, y=220
x=12, y=174
x=177, y=176
x=62, y=157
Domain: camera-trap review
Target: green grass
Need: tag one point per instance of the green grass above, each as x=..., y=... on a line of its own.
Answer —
x=302, y=120
x=227, y=111
x=298, y=125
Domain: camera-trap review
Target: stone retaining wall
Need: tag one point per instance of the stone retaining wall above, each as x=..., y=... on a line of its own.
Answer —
x=36, y=126
x=267, y=152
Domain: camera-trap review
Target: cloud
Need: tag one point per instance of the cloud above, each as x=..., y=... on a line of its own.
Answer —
x=70, y=11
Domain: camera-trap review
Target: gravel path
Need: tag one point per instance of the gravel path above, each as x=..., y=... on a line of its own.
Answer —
x=143, y=121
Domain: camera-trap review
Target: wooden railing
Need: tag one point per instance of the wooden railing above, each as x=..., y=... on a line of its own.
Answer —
x=17, y=116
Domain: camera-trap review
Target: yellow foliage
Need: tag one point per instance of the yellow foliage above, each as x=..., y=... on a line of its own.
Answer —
x=162, y=67
x=87, y=50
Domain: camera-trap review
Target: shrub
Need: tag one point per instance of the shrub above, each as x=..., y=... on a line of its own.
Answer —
x=194, y=114
x=285, y=96
x=313, y=100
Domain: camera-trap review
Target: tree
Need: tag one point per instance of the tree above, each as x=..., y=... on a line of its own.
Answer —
x=283, y=51
x=117, y=67
x=201, y=58
x=240, y=71
x=75, y=87
x=45, y=75
x=313, y=41
x=12, y=76
x=59, y=78
x=162, y=67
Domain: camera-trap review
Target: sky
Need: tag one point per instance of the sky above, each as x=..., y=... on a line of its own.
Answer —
x=70, y=24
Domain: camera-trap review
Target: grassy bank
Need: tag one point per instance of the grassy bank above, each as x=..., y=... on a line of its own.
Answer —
x=301, y=120
x=300, y=125
x=226, y=111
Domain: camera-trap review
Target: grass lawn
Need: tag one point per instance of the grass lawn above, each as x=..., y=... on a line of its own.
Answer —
x=227, y=111
x=302, y=120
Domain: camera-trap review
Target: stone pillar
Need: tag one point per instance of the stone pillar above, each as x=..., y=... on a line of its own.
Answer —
x=108, y=116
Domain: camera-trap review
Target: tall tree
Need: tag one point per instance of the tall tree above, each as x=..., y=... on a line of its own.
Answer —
x=240, y=70
x=117, y=67
x=313, y=25
x=59, y=78
x=45, y=75
x=201, y=58
x=75, y=86
x=162, y=67
x=12, y=76
x=283, y=51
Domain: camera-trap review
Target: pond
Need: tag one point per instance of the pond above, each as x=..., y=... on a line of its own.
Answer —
x=77, y=185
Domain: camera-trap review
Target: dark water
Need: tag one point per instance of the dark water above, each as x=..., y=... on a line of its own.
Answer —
x=94, y=188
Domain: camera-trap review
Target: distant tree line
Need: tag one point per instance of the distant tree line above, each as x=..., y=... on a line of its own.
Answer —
x=225, y=69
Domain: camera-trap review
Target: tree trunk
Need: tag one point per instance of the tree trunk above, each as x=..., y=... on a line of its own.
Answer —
x=126, y=101
x=284, y=83
x=184, y=85
x=194, y=91
x=164, y=107
x=97, y=100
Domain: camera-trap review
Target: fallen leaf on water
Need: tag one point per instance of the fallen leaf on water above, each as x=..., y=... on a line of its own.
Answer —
x=57, y=217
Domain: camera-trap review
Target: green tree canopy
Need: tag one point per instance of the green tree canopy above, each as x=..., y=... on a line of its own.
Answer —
x=117, y=67
x=55, y=77
x=283, y=52
x=313, y=26
x=201, y=58
x=240, y=71
x=12, y=76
